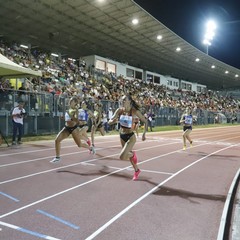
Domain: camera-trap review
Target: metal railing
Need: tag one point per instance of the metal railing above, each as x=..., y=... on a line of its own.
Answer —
x=45, y=112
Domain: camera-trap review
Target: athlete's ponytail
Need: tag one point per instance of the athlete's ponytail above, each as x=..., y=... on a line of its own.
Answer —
x=133, y=102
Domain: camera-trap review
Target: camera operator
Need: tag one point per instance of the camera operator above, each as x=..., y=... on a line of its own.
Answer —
x=18, y=114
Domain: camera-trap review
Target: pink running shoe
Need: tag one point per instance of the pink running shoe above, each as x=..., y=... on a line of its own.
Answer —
x=134, y=157
x=135, y=176
x=89, y=142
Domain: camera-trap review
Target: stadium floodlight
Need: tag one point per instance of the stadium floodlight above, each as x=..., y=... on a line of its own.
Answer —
x=24, y=46
x=135, y=21
x=209, y=35
x=54, y=54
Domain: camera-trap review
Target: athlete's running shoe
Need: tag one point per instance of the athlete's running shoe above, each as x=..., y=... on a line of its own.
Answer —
x=184, y=147
x=92, y=150
x=136, y=173
x=56, y=160
x=191, y=143
x=134, y=157
x=89, y=142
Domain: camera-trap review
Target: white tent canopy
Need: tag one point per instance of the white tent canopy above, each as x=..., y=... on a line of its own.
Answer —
x=11, y=69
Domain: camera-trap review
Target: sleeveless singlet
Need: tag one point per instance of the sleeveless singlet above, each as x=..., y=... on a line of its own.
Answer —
x=188, y=119
x=83, y=115
x=126, y=121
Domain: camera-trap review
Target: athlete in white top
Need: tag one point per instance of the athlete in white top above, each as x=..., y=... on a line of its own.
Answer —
x=125, y=116
x=187, y=121
x=71, y=127
x=83, y=115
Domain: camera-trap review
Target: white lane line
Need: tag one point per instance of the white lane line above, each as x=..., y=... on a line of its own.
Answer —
x=36, y=234
x=116, y=217
x=87, y=164
x=46, y=149
x=224, y=219
x=158, y=172
x=71, y=165
x=60, y=193
x=131, y=169
x=34, y=174
x=114, y=136
x=90, y=181
x=50, y=170
x=42, y=158
x=70, y=189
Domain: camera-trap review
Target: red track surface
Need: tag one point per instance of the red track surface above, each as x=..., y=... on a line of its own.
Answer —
x=179, y=194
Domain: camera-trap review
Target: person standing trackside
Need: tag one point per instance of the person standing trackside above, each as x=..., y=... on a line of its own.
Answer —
x=18, y=114
x=187, y=121
x=150, y=120
x=127, y=136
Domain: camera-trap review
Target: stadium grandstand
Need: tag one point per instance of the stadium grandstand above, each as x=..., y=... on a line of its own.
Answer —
x=93, y=50
x=52, y=50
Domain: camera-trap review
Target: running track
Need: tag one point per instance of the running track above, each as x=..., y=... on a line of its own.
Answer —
x=179, y=194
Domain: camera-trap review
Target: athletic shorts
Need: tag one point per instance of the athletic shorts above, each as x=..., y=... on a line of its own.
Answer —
x=82, y=126
x=70, y=129
x=126, y=136
x=187, y=127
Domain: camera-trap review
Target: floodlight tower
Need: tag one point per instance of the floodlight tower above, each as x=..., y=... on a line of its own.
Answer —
x=209, y=34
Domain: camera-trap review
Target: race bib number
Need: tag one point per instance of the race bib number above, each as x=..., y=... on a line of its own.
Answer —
x=188, y=120
x=126, y=121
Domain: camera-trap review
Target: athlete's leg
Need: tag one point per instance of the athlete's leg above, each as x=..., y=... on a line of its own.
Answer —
x=188, y=136
x=61, y=135
x=184, y=139
x=102, y=131
x=77, y=139
x=127, y=153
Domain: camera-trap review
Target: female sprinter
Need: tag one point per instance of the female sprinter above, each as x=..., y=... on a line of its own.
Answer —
x=71, y=127
x=83, y=114
x=97, y=122
x=187, y=121
x=128, y=139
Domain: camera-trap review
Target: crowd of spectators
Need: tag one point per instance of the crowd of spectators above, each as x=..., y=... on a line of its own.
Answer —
x=68, y=77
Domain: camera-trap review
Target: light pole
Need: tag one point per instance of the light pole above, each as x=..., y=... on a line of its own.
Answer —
x=209, y=34
x=207, y=43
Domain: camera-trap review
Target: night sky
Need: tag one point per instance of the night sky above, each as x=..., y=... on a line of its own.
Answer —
x=187, y=18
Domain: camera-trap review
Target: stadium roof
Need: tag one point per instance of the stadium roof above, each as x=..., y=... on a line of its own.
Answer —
x=77, y=28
